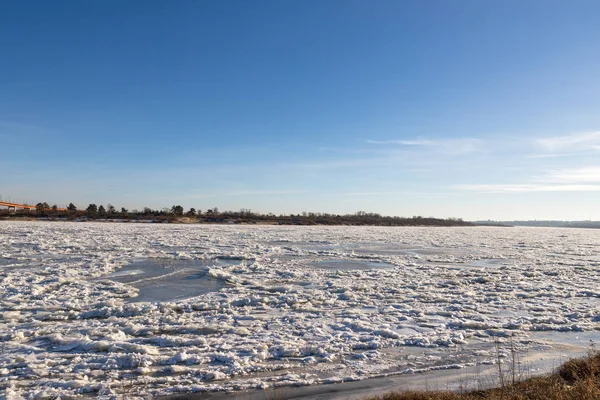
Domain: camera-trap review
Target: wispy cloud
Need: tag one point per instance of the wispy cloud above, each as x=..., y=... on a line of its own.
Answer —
x=359, y=194
x=263, y=192
x=398, y=193
x=551, y=155
x=524, y=188
x=578, y=175
x=575, y=142
x=445, y=146
x=585, y=179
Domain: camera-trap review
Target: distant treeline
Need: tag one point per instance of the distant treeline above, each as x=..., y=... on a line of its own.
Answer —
x=549, y=224
x=245, y=216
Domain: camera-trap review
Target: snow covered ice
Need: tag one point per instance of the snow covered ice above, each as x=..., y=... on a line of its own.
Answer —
x=138, y=310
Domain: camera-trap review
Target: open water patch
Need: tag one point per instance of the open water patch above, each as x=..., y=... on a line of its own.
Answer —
x=350, y=265
x=232, y=260
x=160, y=280
x=492, y=263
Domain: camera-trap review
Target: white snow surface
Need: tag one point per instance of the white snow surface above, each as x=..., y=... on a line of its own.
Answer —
x=283, y=314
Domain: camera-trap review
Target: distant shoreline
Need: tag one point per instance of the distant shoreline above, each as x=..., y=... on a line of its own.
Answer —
x=543, y=224
x=236, y=221
x=302, y=221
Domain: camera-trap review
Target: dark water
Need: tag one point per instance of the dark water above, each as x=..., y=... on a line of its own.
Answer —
x=170, y=280
x=349, y=265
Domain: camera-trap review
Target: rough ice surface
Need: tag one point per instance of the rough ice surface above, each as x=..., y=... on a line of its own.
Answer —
x=132, y=310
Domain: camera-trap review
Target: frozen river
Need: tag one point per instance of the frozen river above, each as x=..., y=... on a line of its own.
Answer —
x=140, y=310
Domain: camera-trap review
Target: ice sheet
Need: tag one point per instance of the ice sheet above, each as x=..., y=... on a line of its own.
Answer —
x=149, y=310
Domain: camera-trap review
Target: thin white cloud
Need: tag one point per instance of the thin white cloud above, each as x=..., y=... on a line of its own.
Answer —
x=334, y=163
x=399, y=193
x=371, y=194
x=575, y=142
x=263, y=192
x=443, y=146
x=415, y=142
x=585, y=179
x=579, y=175
x=525, y=188
x=552, y=155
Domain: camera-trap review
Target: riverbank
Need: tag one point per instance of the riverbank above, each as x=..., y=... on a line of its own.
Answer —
x=576, y=379
x=233, y=220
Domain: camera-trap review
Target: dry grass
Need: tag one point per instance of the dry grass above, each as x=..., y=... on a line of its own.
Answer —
x=577, y=379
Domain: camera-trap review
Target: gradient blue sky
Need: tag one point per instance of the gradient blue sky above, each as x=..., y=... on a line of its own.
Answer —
x=473, y=109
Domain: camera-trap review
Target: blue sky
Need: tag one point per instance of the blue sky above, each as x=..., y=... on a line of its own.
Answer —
x=473, y=109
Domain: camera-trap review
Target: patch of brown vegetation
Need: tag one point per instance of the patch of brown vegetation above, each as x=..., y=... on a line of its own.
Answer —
x=577, y=379
x=187, y=220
